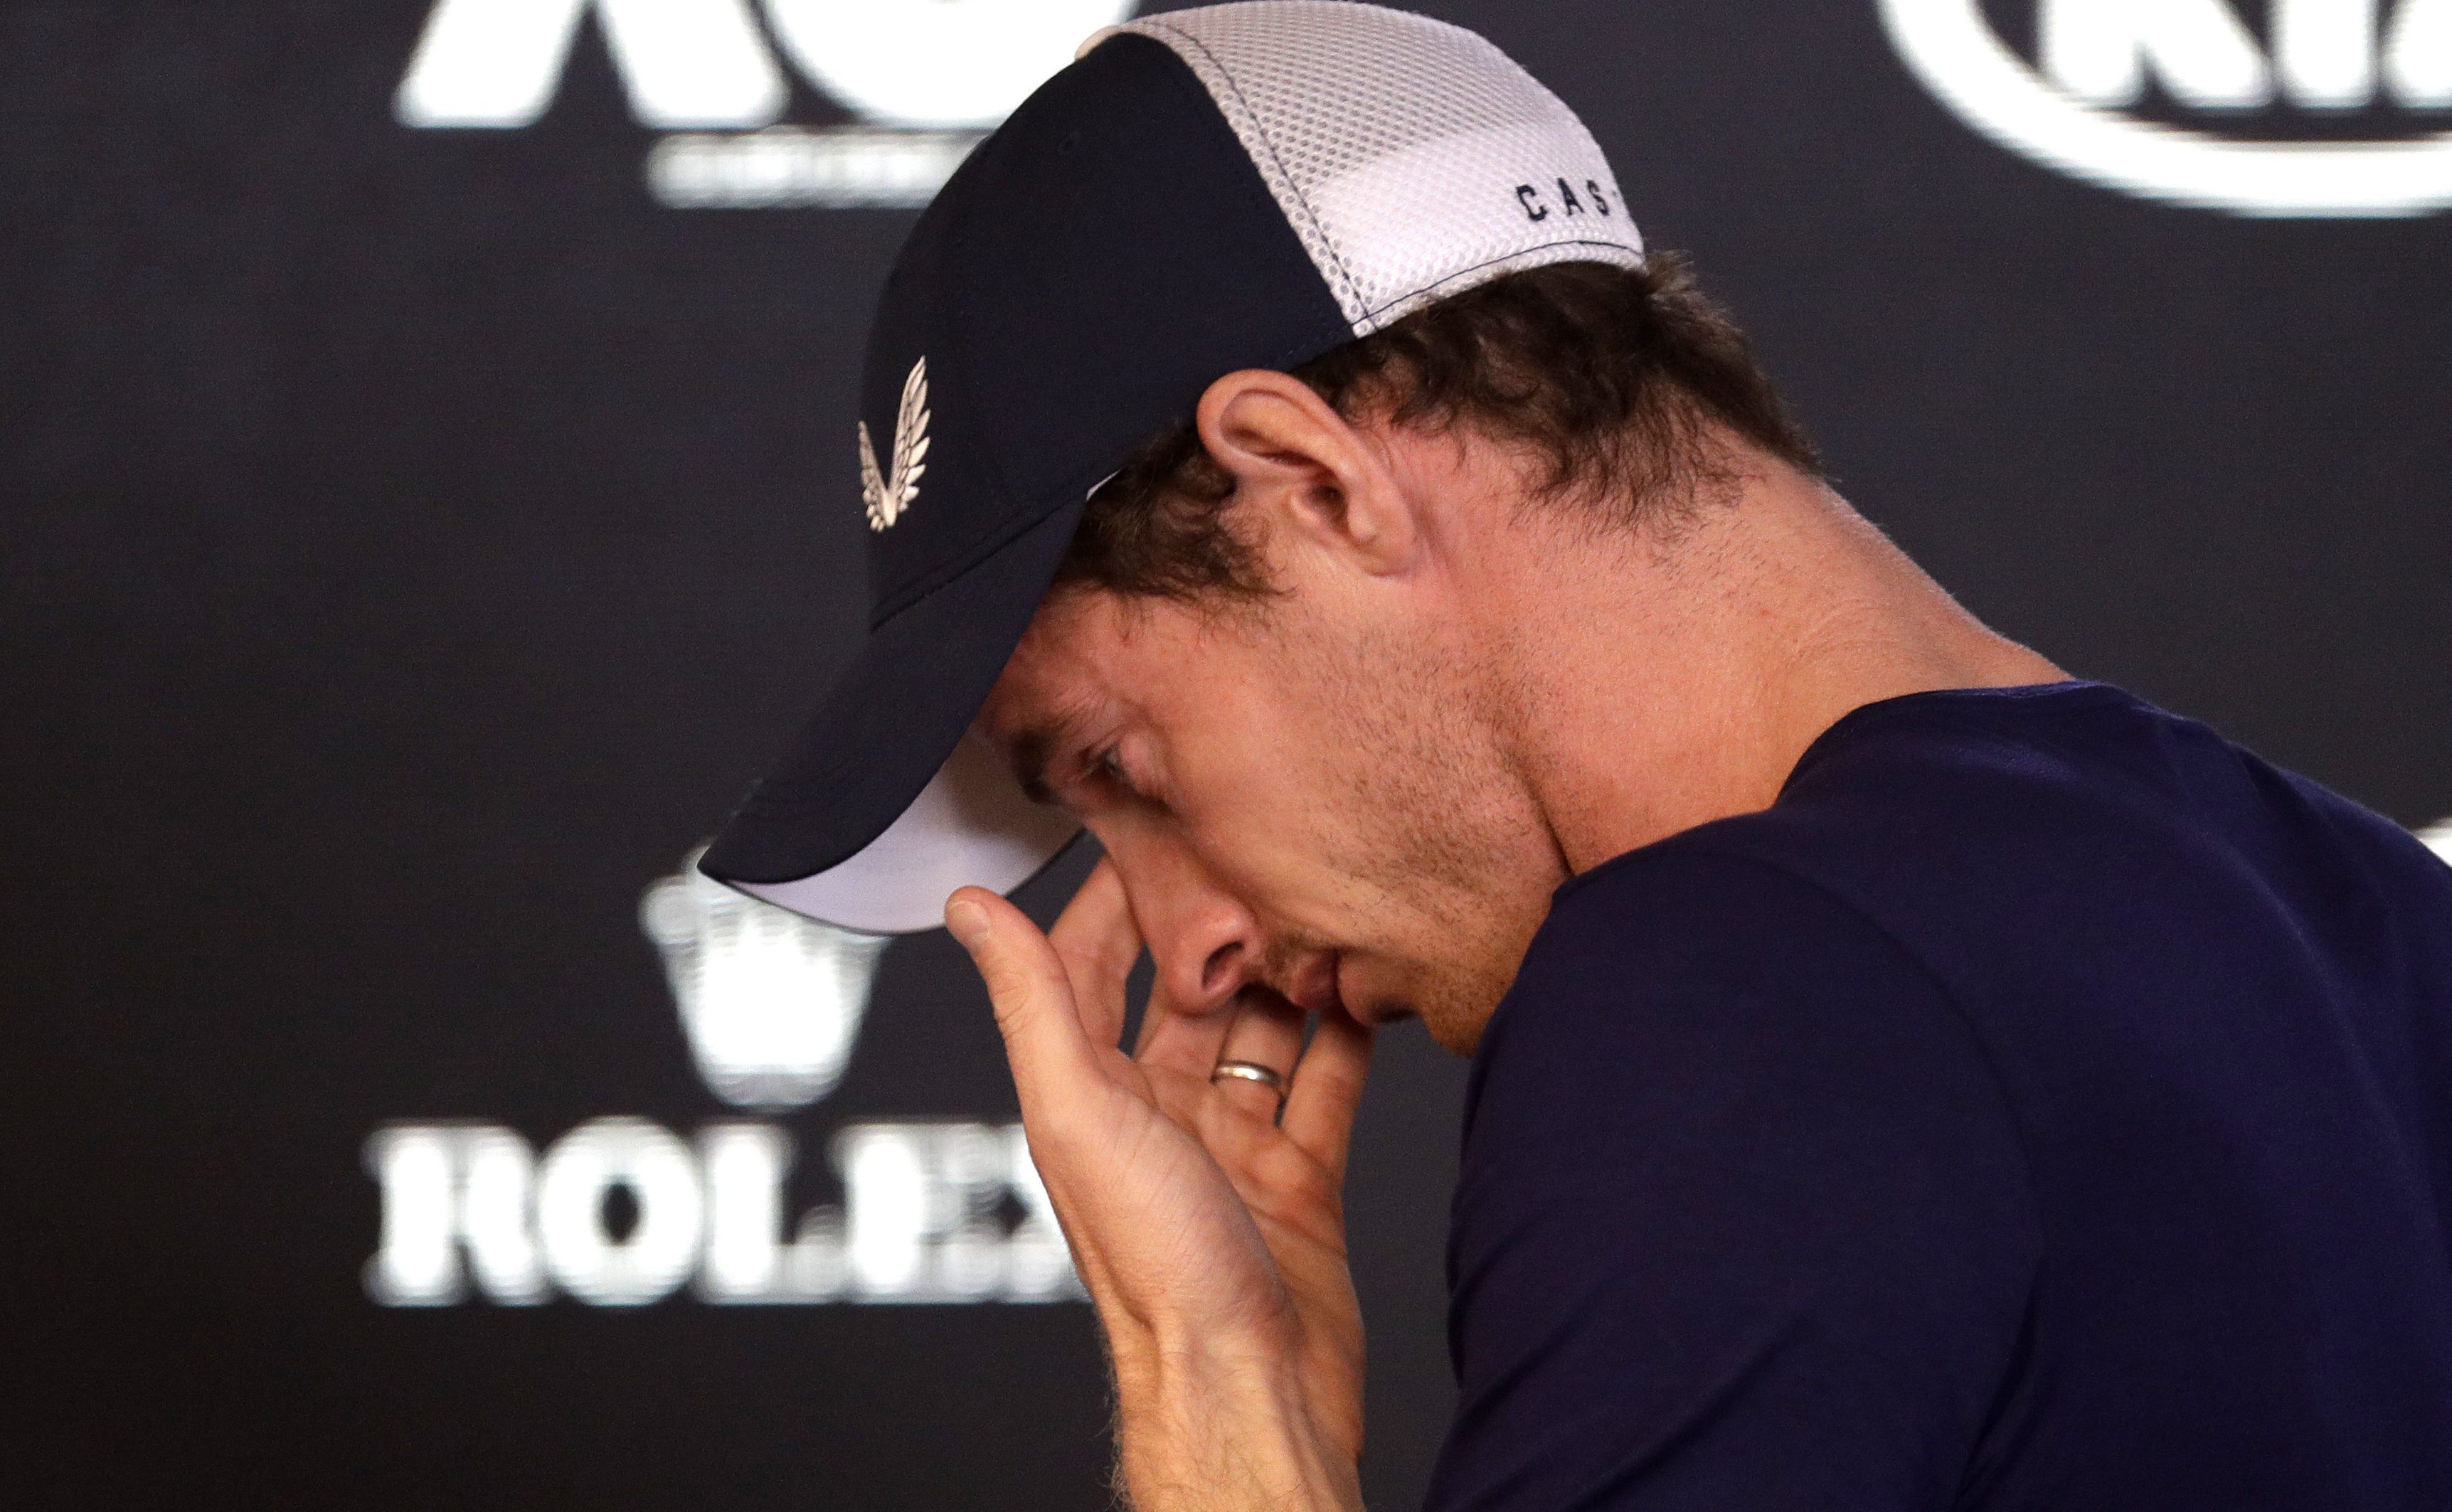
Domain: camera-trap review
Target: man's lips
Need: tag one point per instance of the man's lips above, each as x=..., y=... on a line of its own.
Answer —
x=1375, y=1008
x=1314, y=987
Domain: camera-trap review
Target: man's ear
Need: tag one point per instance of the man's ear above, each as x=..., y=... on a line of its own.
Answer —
x=1302, y=467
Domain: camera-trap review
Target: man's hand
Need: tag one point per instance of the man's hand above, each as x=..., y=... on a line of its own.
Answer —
x=1208, y=1229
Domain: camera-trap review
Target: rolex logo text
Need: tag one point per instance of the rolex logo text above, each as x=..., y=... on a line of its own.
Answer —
x=624, y=1212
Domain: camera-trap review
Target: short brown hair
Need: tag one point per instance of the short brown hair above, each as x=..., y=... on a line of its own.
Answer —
x=1603, y=375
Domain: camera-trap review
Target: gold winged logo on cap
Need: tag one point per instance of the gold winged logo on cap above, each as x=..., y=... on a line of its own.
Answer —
x=890, y=494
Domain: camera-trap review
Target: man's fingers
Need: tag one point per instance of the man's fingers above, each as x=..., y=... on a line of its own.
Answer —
x=1098, y=943
x=1186, y=1043
x=1328, y=1089
x=1267, y=1032
x=1043, y=1037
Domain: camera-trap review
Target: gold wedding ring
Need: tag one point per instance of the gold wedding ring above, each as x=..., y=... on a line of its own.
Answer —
x=1251, y=1071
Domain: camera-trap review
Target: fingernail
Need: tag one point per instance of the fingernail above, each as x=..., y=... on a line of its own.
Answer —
x=968, y=921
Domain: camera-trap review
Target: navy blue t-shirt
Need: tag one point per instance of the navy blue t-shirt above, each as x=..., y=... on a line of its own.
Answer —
x=2044, y=1104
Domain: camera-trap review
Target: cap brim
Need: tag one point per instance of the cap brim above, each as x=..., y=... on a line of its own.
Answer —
x=888, y=803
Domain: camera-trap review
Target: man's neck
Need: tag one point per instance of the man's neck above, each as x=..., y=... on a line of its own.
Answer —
x=1649, y=691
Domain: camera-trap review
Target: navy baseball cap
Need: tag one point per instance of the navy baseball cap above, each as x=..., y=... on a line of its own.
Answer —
x=1202, y=192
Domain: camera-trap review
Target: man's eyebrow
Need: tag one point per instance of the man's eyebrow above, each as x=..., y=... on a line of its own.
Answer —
x=1036, y=745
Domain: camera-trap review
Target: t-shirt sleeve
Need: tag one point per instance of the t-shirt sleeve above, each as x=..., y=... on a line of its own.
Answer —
x=1742, y=1222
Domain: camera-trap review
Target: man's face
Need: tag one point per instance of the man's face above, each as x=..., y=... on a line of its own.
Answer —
x=1302, y=793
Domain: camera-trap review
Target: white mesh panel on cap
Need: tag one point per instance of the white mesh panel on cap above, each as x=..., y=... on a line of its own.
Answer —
x=1413, y=158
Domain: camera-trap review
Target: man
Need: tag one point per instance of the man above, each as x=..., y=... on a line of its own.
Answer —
x=1904, y=1077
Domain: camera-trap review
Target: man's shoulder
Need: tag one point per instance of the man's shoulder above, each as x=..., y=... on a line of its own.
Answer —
x=1732, y=907
x=1980, y=863
x=1889, y=814
x=1686, y=973
x=2046, y=826
x=1916, y=788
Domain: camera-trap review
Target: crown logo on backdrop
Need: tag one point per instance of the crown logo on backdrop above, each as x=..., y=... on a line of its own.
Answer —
x=890, y=494
x=771, y=1001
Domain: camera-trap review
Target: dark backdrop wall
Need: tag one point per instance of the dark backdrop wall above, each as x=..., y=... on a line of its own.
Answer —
x=420, y=530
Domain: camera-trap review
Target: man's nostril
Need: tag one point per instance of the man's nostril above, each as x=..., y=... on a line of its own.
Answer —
x=1220, y=967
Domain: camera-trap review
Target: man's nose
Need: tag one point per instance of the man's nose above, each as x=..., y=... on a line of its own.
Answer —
x=1206, y=945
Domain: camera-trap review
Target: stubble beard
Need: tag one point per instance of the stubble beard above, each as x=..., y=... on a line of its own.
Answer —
x=1442, y=829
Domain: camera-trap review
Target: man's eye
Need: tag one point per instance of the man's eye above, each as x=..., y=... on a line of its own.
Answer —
x=1110, y=764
